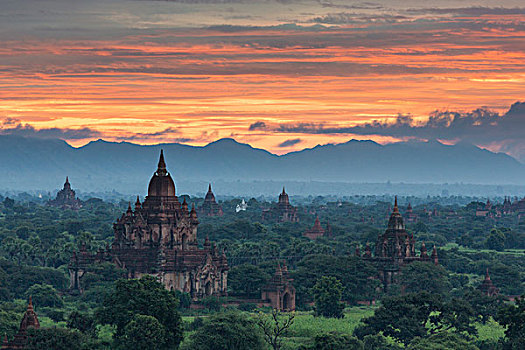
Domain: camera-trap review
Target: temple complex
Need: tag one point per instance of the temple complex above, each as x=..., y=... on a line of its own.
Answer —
x=283, y=211
x=30, y=320
x=159, y=237
x=210, y=206
x=66, y=198
x=396, y=248
x=487, y=287
x=279, y=292
x=316, y=231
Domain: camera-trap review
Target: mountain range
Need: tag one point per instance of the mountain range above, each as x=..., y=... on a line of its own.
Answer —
x=33, y=163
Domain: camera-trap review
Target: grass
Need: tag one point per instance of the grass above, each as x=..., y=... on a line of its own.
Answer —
x=517, y=252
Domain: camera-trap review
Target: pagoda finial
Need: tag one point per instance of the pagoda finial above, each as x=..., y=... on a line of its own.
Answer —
x=161, y=169
x=396, y=209
x=67, y=179
x=284, y=192
x=137, y=203
x=487, y=277
x=30, y=305
x=209, y=187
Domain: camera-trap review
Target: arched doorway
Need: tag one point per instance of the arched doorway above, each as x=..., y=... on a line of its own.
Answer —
x=286, y=301
x=207, y=288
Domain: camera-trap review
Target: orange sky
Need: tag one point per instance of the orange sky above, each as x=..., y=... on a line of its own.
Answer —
x=195, y=85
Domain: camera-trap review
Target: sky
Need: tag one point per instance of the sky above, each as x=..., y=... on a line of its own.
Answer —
x=282, y=75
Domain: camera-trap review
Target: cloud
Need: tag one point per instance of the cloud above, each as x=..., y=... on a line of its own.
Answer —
x=289, y=143
x=257, y=126
x=11, y=126
x=472, y=11
x=152, y=135
x=349, y=18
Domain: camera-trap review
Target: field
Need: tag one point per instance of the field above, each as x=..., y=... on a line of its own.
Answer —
x=306, y=326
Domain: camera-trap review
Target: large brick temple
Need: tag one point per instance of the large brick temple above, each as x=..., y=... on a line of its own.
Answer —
x=395, y=248
x=66, y=198
x=159, y=238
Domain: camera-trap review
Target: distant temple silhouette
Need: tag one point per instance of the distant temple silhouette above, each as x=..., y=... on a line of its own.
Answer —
x=316, y=231
x=487, y=287
x=395, y=248
x=283, y=211
x=210, y=207
x=159, y=238
x=66, y=198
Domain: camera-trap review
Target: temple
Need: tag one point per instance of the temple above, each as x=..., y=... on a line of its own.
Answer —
x=159, y=237
x=410, y=215
x=210, y=206
x=279, y=293
x=487, y=287
x=30, y=320
x=316, y=231
x=396, y=248
x=283, y=211
x=66, y=198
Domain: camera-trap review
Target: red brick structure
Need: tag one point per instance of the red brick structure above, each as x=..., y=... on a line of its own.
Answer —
x=159, y=238
x=487, y=287
x=396, y=248
x=410, y=215
x=66, y=198
x=316, y=231
x=283, y=211
x=30, y=320
x=210, y=206
x=279, y=292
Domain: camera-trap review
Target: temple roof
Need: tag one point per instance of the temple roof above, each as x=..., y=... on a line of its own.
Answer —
x=161, y=184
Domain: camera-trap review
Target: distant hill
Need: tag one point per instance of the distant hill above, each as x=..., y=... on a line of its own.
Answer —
x=28, y=164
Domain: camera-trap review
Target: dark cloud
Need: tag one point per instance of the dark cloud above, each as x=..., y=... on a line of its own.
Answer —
x=257, y=126
x=481, y=127
x=150, y=135
x=289, y=143
x=12, y=126
x=471, y=11
x=349, y=18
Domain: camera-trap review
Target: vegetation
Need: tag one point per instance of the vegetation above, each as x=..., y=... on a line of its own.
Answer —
x=437, y=305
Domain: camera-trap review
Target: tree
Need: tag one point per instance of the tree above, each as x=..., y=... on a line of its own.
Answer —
x=55, y=338
x=143, y=296
x=226, y=331
x=439, y=341
x=513, y=317
x=44, y=295
x=275, y=327
x=246, y=280
x=496, y=240
x=379, y=342
x=417, y=315
x=81, y=321
x=334, y=340
x=327, y=295
x=143, y=333
x=422, y=276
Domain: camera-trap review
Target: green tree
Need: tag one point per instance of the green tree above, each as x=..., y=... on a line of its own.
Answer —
x=44, y=295
x=424, y=277
x=246, y=280
x=226, y=331
x=327, y=295
x=336, y=341
x=513, y=317
x=143, y=296
x=143, y=333
x=439, y=341
x=81, y=321
x=275, y=327
x=56, y=339
x=496, y=240
x=417, y=315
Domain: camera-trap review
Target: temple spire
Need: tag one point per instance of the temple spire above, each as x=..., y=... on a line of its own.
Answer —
x=284, y=192
x=396, y=209
x=161, y=169
x=487, y=277
x=30, y=305
x=209, y=187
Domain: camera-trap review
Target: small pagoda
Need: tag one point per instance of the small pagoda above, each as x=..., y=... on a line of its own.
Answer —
x=316, y=231
x=210, y=207
x=487, y=287
x=30, y=320
x=66, y=198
